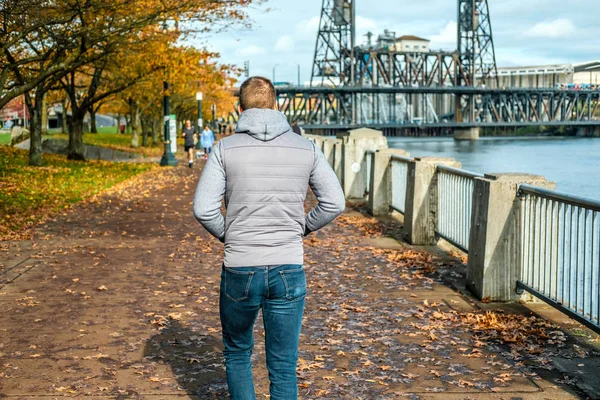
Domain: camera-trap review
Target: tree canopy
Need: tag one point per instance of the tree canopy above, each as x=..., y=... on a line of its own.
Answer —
x=103, y=52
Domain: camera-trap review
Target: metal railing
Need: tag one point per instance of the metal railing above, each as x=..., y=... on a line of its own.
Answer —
x=455, y=204
x=560, y=252
x=399, y=170
x=367, y=168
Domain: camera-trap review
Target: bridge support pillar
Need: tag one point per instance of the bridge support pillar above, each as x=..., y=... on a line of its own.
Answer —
x=494, y=244
x=380, y=192
x=355, y=144
x=421, y=199
x=467, y=133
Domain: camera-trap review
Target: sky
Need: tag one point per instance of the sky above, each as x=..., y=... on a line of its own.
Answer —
x=526, y=32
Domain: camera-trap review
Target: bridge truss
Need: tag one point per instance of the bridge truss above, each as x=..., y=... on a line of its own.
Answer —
x=394, y=107
x=391, y=68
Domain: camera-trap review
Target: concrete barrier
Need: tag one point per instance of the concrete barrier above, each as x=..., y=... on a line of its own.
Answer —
x=380, y=192
x=421, y=199
x=494, y=244
x=355, y=144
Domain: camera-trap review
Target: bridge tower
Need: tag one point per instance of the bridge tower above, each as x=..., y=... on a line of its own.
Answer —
x=334, y=51
x=476, y=42
x=477, y=54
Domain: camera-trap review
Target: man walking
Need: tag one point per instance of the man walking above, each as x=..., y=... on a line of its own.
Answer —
x=264, y=171
x=189, y=133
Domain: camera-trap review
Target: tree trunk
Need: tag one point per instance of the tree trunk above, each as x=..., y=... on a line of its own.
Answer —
x=35, y=127
x=155, y=131
x=44, y=116
x=93, y=120
x=145, y=132
x=135, y=127
x=128, y=123
x=118, y=123
x=64, y=115
x=76, y=150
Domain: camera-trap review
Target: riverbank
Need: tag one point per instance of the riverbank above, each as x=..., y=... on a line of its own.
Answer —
x=543, y=131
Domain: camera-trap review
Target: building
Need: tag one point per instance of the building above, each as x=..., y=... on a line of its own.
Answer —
x=412, y=44
x=388, y=41
x=544, y=76
x=14, y=113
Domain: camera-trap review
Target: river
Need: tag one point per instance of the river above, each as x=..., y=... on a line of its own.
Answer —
x=573, y=163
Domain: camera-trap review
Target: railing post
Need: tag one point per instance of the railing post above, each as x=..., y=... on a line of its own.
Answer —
x=338, y=158
x=494, y=244
x=421, y=199
x=380, y=192
x=355, y=143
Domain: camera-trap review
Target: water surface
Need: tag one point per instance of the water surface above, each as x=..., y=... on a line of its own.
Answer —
x=573, y=163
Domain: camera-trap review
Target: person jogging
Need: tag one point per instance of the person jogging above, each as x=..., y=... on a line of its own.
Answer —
x=264, y=171
x=189, y=133
x=207, y=139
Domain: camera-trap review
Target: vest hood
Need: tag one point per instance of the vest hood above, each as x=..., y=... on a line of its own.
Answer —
x=262, y=124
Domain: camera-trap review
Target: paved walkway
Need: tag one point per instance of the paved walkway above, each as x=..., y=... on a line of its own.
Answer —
x=118, y=298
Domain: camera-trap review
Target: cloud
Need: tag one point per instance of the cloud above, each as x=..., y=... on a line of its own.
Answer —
x=308, y=26
x=284, y=44
x=251, y=50
x=557, y=28
x=446, y=38
x=364, y=24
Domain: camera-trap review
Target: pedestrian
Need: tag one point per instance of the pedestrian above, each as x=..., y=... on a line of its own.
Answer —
x=122, y=128
x=189, y=133
x=207, y=138
x=265, y=170
x=296, y=128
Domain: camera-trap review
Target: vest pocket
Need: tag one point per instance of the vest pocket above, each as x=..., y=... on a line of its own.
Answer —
x=295, y=283
x=237, y=284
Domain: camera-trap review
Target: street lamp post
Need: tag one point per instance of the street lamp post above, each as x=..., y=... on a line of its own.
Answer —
x=199, y=129
x=214, y=116
x=298, y=65
x=274, y=68
x=168, y=158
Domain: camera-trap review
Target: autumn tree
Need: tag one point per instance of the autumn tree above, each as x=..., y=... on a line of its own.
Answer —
x=43, y=42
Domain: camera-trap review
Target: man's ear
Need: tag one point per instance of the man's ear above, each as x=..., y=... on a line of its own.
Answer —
x=275, y=107
x=240, y=109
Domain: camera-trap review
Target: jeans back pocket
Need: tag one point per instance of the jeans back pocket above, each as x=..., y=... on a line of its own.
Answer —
x=236, y=284
x=295, y=283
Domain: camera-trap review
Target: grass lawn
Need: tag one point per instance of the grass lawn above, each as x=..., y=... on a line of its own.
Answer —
x=101, y=129
x=117, y=141
x=27, y=193
x=4, y=138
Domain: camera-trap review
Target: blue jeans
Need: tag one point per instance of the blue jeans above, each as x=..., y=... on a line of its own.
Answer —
x=280, y=291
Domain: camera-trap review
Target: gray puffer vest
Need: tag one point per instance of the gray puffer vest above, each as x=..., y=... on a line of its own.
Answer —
x=264, y=171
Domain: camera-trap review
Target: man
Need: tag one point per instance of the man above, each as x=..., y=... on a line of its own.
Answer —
x=264, y=171
x=189, y=133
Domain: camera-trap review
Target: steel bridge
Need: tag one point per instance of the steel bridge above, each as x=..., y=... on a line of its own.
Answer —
x=427, y=92
x=411, y=92
x=393, y=107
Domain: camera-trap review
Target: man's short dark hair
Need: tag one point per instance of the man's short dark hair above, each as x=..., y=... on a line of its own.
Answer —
x=257, y=92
